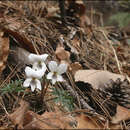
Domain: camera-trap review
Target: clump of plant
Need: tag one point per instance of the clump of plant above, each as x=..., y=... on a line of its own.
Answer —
x=122, y=18
x=65, y=99
x=38, y=79
x=13, y=87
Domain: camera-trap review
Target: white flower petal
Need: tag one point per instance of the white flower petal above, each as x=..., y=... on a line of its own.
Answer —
x=39, y=73
x=52, y=66
x=28, y=71
x=32, y=58
x=44, y=57
x=35, y=58
x=60, y=78
x=62, y=68
x=31, y=73
x=27, y=82
x=33, y=86
x=38, y=84
x=44, y=68
x=54, y=80
x=50, y=75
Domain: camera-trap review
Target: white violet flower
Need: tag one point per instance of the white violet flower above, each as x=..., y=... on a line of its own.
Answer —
x=33, y=77
x=56, y=71
x=38, y=61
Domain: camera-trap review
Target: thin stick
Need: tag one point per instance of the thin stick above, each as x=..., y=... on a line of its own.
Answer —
x=117, y=61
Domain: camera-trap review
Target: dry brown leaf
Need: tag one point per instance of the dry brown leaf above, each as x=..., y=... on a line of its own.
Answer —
x=33, y=121
x=4, y=50
x=97, y=78
x=26, y=119
x=22, y=40
x=122, y=114
x=62, y=54
x=58, y=119
x=17, y=117
x=49, y=120
x=85, y=122
x=75, y=67
x=64, y=62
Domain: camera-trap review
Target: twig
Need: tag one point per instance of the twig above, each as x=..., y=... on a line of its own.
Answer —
x=117, y=61
x=2, y=105
x=75, y=95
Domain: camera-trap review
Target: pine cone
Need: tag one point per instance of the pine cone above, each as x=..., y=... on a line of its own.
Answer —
x=119, y=92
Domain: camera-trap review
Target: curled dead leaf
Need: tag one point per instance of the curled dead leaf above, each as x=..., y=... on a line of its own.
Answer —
x=22, y=40
x=75, y=67
x=121, y=115
x=4, y=50
x=97, y=78
x=62, y=54
x=17, y=117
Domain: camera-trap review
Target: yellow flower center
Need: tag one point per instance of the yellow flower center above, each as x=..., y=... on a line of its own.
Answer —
x=39, y=64
x=54, y=75
x=33, y=80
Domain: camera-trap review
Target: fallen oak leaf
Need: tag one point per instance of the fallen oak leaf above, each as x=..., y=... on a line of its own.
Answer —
x=97, y=78
x=62, y=54
x=74, y=67
x=22, y=40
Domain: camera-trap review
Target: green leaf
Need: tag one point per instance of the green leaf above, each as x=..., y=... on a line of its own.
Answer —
x=122, y=18
x=64, y=98
x=12, y=87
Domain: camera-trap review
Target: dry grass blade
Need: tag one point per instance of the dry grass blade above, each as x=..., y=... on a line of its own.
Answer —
x=118, y=64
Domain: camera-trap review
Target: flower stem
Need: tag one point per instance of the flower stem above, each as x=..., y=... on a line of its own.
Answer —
x=44, y=89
